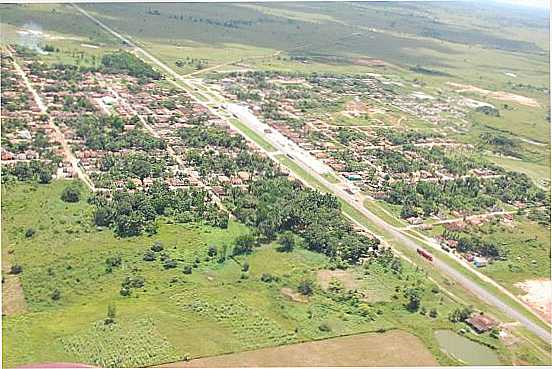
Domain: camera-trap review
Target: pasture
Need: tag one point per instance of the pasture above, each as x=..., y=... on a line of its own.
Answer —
x=393, y=348
x=216, y=309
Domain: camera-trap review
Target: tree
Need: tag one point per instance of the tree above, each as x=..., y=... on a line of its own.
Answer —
x=414, y=299
x=16, y=269
x=44, y=177
x=55, y=295
x=245, y=266
x=306, y=287
x=244, y=244
x=433, y=313
x=30, y=232
x=111, y=313
x=157, y=246
x=102, y=217
x=169, y=263
x=212, y=252
x=286, y=241
x=70, y=194
x=149, y=256
x=460, y=314
x=187, y=269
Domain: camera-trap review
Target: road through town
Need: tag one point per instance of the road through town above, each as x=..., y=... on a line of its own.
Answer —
x=393, y=235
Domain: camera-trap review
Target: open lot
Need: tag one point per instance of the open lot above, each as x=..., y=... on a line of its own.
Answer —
x=394, y=348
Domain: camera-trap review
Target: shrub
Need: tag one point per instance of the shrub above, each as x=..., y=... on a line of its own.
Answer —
x=267, y=277
x=56, y=295
x=433, y=313
x=113, y=261
x=169, y=263
x=149, y=256
x=125, y=291
x=244, y=244
x=324, y=327
x=245, y=266
x=30, y=232
x=111, y=313
x=157, y=247
x=16, y=269
x=70, y=194
x=187, y=270
x=305, y=287
x=287, y=242
x=212, y=251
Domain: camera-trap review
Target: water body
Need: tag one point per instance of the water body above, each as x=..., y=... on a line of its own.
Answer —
x=465, y=350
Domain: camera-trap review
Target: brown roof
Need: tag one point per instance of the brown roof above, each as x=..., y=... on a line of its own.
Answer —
x=482, y=323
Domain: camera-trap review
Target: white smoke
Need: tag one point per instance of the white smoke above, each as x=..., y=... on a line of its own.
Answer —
x=31, y=37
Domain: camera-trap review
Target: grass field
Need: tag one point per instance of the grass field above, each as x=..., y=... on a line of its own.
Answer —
x=220, y=308
x=386, y=349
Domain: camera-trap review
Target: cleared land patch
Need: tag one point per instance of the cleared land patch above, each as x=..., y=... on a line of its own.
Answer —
x=499, y=95
x=394, y=348
x=539, y=296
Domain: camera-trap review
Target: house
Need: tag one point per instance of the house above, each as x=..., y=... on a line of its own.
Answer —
x=480, y=261
x=455, y=226
x=481, y=323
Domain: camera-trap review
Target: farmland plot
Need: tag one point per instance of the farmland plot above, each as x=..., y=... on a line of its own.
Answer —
x=122, y=344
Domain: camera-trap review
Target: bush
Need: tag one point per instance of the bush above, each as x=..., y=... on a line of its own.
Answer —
x=70, y=194
x=287, y=242
x=306, y=287
x=113, y=261
x=125, y=291
x=30, y=232
x=16, y=269
x=157, y=247
x=111, y=313
x=267, y=277
x=245, y=266
x=433, y=313
x=324, y=327
x=56, y=295
x=244, y=244
x=149, y=256
x=169, y=263
x=212, y=251
x=187, y=270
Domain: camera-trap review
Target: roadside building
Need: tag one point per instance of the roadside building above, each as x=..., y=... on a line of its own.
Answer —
x=481, y=323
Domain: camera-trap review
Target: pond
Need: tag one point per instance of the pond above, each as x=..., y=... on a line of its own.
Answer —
x=465, y=350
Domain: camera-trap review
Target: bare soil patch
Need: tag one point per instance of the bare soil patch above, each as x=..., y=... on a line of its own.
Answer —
x=394, y=348
x=538, y=296
x=344, y=276
x=499, y=95
x=293, y=296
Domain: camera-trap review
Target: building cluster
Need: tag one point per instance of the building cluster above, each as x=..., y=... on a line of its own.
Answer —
x=27, y=135
x=353, y=124
x=158, y=125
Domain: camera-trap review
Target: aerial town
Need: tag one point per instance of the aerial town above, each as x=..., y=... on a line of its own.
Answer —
x=280, y=207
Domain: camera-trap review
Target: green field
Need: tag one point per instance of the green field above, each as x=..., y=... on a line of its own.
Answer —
x=221, y=308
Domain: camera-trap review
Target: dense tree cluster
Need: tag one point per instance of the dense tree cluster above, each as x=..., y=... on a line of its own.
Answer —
x=130, y=214
x=107, y=133
x=274, y=205
x=124, y=62
x=470, y=193
x=34, y=170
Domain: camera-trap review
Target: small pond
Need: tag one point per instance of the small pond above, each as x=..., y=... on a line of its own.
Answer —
x=465, y=350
